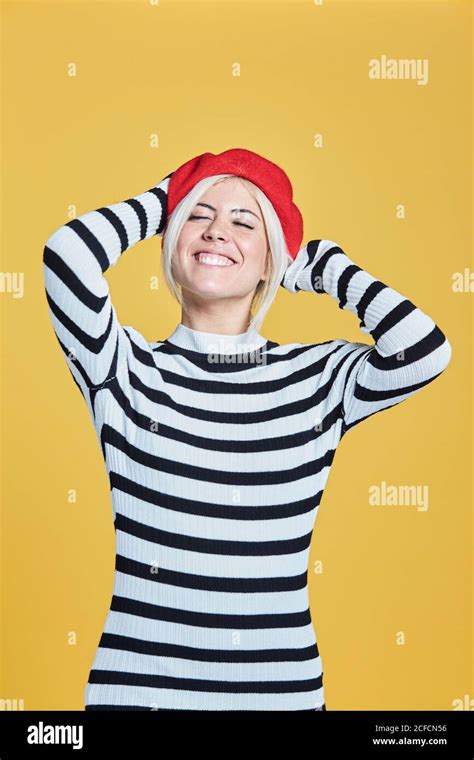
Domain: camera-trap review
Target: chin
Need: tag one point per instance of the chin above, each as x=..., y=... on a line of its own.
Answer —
x=204, y=291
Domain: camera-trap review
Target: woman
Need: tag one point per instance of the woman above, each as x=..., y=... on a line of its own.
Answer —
x=218, y=442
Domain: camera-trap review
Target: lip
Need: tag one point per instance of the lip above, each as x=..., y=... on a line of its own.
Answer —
x=215, y=253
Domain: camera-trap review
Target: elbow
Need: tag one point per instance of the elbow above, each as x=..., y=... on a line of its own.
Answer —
x=49, y=257
x=57, y=242
x=443, y=355
x=56, y=248
x=53, y=251
x=46, y=254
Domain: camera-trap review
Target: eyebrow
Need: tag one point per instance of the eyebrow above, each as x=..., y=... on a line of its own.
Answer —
x=247, y=210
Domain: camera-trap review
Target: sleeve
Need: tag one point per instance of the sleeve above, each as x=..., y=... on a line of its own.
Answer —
x=409, y=352
x=75, y=258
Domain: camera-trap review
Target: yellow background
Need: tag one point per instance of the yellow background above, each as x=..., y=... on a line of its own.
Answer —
x=166, y=70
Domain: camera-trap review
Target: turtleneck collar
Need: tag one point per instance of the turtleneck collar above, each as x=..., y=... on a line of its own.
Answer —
x=216, y=343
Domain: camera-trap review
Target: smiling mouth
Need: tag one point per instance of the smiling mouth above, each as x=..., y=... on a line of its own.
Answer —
x=213, y=259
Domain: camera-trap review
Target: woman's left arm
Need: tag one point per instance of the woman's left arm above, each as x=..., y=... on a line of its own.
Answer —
x=410, y=350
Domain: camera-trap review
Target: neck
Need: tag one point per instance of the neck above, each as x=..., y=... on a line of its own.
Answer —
x=216, y=342
x=230, y=323
x=224, y=316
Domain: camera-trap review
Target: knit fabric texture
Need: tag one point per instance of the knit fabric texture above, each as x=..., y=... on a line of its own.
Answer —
x=218, y=449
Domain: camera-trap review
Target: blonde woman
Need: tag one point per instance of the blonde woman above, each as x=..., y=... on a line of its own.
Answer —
x=218, y=441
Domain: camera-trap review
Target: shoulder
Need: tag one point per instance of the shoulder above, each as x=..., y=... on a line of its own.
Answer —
x=335, y=351
x=138, y=345
x=323, y=347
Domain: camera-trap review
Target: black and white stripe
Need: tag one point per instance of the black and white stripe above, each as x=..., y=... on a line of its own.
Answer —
x=410, y=349
x=217, y=469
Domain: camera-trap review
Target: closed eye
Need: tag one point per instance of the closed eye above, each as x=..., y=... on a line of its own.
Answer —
x=194, y=216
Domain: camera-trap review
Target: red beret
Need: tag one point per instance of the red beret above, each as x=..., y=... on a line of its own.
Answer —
x=272, y=180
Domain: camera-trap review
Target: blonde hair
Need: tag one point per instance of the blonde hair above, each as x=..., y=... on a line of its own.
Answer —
x=278, y=256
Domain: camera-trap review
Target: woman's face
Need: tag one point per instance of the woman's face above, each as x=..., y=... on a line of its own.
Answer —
x=227, y=221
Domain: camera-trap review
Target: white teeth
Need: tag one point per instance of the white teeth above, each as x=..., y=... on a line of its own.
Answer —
x=214, y=259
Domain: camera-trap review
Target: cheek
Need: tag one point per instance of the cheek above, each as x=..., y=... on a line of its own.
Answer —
x=255, y=253
x=183, y=240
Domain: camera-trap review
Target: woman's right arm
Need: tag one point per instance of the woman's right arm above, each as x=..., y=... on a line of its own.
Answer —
x=74, y=261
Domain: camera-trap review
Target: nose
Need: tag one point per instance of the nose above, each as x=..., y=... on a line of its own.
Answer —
x=214, y=235
x=215, y=231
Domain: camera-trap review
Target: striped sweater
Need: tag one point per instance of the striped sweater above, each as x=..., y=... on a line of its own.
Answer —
x=218, y=449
